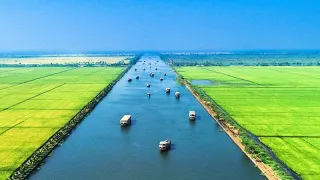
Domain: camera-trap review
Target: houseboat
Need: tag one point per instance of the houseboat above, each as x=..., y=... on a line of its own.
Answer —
x=177, y=94
x=165, y=145
x=192, y=115
x=125, y=120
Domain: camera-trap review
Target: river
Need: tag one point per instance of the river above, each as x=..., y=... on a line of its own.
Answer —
x=100, y=149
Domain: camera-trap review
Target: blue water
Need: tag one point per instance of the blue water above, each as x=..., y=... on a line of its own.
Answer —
x=100, y=149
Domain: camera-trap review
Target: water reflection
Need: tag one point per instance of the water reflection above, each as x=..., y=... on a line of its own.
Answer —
x=125, y=129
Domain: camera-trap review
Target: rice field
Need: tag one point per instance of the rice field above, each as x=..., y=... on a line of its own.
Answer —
x=36, y=102
x=280, y=105
x=64, y=60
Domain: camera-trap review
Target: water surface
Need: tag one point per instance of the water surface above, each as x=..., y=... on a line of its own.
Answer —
x=100, y=149
x=201, y=82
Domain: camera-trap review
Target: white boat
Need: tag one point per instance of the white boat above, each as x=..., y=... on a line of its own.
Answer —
x=125, y=120
x=192, y=115
x=177, y=94
x=165, y=145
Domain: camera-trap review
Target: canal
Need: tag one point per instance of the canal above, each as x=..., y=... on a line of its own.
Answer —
x=100, y=149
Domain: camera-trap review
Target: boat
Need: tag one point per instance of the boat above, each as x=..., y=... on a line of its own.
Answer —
x=192, y=115
x=165, y=145
x=148, y=94
x=148, y=85
x=167, y=90
x=161, y=79
x=129, y=79
x=125, y=120
x=177, y=94
x=137, y=77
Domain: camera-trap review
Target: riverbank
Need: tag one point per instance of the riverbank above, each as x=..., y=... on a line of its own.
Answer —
x=99, y=148
x=234, y=135
x=257, y=152
x=246, y=104
x=43, y=151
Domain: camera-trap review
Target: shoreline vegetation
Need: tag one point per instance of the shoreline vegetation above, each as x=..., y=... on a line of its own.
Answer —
x=249, y=144
x=243, y=59
x=276, y=107
x=38, y=156
x=262, y=157
x=66, y=61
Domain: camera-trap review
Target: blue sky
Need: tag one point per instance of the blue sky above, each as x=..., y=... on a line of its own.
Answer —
x=82, y=25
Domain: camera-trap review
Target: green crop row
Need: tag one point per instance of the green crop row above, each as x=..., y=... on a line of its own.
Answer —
x=37, y=102
x=280, y=105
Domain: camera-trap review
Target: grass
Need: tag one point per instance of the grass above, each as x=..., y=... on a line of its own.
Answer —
x=279, y=105
x=293, y=58
x=36, y=102
x=64, y=60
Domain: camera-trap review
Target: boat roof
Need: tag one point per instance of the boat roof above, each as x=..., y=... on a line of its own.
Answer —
x=126, y=117
x=167, y=140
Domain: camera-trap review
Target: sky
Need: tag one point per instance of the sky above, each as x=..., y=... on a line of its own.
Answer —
x=158, y=25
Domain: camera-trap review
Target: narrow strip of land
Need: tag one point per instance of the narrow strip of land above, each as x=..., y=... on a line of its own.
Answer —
x=230, y=76
x=265, y=169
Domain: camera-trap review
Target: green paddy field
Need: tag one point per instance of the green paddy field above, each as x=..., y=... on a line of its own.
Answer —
x=36, y=102
x=280, y=105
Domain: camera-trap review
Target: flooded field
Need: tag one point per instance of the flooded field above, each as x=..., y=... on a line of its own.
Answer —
x=201, y=82
x=100, y=149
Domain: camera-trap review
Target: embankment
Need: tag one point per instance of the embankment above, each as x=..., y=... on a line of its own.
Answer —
x=258, y=153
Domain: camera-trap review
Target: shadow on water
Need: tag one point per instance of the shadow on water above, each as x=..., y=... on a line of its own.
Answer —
x=173, y=147
x=133, y=122
x=192, y=123
x=125, y=129
x=164, y=154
